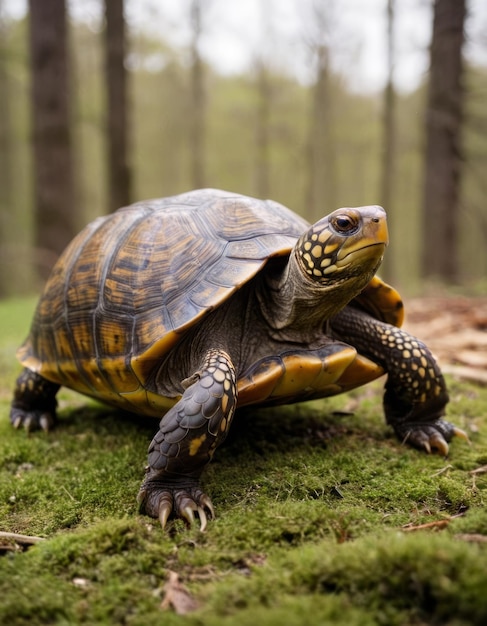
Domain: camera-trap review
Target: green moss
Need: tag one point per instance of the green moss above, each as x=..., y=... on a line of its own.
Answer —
x=388, y=578
x=311, y=503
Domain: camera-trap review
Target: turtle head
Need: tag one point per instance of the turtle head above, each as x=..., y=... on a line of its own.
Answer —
x=345, y=247
x=331, y=263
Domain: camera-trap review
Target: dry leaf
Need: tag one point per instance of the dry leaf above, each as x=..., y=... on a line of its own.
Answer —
x=177, y=597
x=82, y=583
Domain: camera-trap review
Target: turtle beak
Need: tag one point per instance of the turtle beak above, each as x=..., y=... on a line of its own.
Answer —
x=375, y=225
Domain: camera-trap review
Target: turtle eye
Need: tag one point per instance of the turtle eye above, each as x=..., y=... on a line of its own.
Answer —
x=344, y=224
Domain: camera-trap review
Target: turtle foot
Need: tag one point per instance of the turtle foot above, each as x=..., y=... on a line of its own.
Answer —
x=180, y=498
x=430, y=437
x=32, y=420
x=34, y=402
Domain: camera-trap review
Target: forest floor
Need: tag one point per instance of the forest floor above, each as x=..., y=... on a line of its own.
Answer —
x=455, y=329
x=323, y=516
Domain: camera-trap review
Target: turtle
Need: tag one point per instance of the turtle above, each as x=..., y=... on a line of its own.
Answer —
x=187, y=307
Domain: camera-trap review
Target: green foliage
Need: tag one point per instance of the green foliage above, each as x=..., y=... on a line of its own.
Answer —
x=160, y=151
x=313, y=505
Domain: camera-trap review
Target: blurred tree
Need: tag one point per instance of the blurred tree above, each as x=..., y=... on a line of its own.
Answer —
x=6, y=149
x=167, y=170
x=54, y=206
x=263, y=102
x=90, y=137
x=262, y=130
x=441, y=203
x=473, y=225
x=320, y=195
x=119, y=171
x=162, y=152
x=387, y=186
x=198, y=99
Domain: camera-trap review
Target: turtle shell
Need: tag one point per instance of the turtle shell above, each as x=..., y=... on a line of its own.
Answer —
x=130, y=283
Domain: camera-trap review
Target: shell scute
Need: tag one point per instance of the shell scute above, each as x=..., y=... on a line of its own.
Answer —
x=183, y=312
x=232, y=272
x=206, y=291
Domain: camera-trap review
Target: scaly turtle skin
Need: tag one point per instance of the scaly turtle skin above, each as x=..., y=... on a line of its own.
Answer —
x=187, y=307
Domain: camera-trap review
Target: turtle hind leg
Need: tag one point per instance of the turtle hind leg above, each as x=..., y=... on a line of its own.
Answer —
x=188, y=435
x=34, y=403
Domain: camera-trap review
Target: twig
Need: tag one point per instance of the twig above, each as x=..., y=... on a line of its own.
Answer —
x=442, y=523
x=67, y=493
x=474, y=537
x=479, y=470
x=26, y=540
x=443, y=469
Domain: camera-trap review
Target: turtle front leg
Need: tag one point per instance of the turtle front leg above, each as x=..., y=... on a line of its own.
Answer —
x=189, y=434
x=34, y=403
x=415, y=393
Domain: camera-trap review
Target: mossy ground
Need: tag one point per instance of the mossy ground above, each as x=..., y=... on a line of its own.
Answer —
x=312, y=504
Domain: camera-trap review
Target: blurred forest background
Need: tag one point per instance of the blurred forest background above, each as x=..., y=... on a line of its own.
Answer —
x=105, y=103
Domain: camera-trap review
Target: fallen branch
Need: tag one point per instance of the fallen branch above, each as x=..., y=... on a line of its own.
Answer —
x=24, y=540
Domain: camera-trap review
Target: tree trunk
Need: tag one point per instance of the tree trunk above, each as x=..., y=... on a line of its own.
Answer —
x=443, y=152
x=389, y=140
x=198, y=102
x=119, y=173
x=320, y=198
x=5, y=160
x=262, y=131
x=54, y=207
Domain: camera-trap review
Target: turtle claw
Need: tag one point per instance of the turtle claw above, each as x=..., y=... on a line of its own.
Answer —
x=427, y=447
x=458, y=432
x=428, y=440
x=437, y=442
x=207, y=503
x=430, y=436
x=30, y=423
x=46, y=422
x=165, y=510
x=188, y=502
x=188, y=514
x=203, y=519
x=32, y=420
